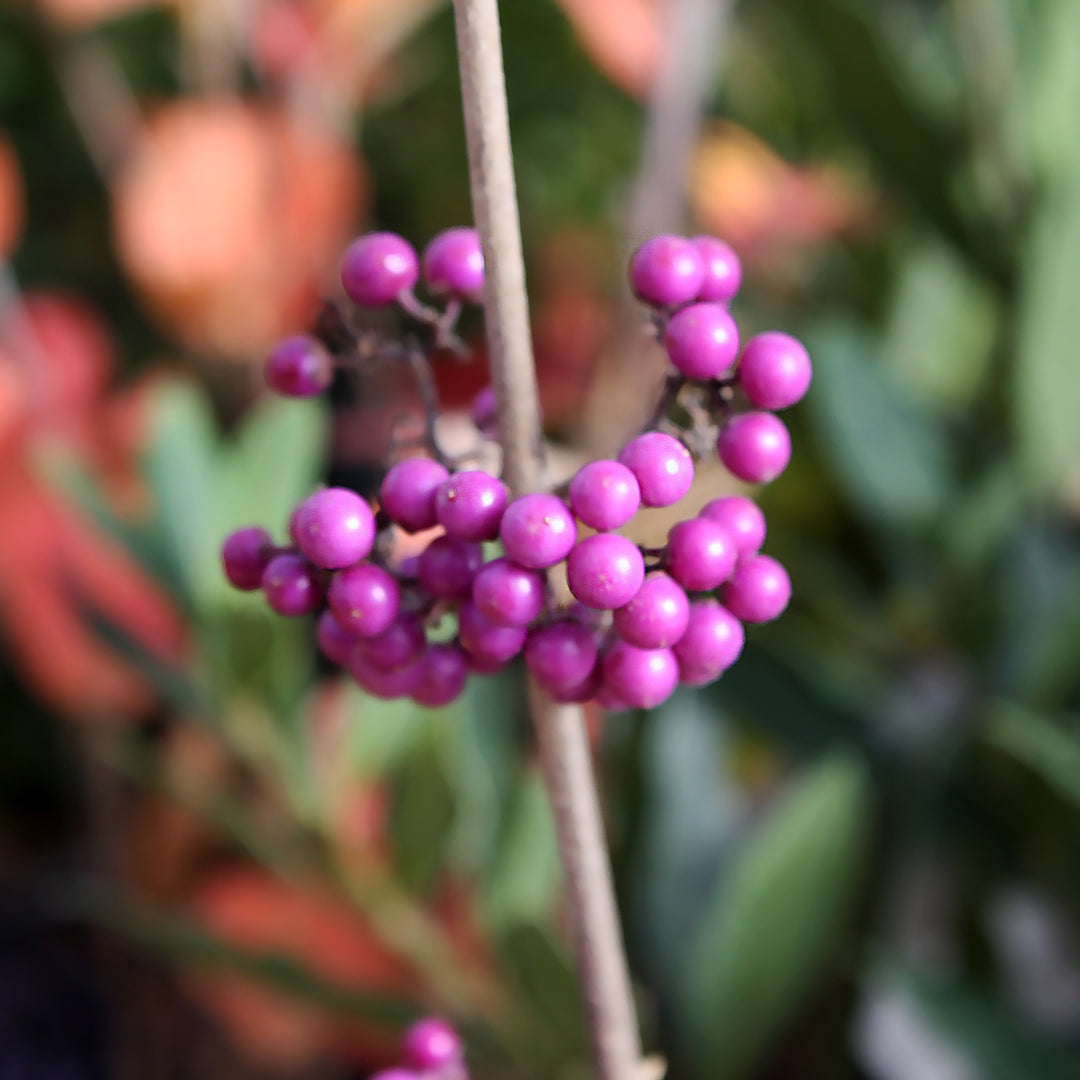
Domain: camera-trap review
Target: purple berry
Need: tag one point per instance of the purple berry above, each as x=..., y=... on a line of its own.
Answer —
x=702, y=341
x=606, y=698
x=774, y=371
x=700, y=554
x=604, y=495
x=431, y=1043
x=759, y=590
x=448, y=567
x=723, y=271
x=365, y=599
x=401, y=643
x=642, y=678
x=291, y=585
x=605, y=571
x=299, y=366
x=662, y=465
x=454, y=265
x=508, y=594
x=712, y=643
x=484, y=413
x=244, y=556
x=377, y=268
x=486, y=641
x=561, y=655
x=742, y=519
x=483, y=667
x=656, y=617
x=408, y=493
x=380, y=683
x=755, y=447
x=469, y=505
x=538, y=531
x=334, y=528
x=334, y=641
x=443, y=674
x=667, y=270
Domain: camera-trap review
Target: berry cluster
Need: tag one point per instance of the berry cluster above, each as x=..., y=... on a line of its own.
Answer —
x=642, y=620
x=430, y=1050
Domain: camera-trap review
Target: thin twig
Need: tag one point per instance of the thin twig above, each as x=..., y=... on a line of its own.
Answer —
x=560, y=729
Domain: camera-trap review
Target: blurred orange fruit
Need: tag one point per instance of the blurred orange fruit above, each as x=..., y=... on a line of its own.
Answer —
x=624, y=38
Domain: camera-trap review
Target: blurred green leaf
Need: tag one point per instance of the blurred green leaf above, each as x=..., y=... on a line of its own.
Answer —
x=383, y=733
x=1051, y=751
x=775, y=916
x=890, y=456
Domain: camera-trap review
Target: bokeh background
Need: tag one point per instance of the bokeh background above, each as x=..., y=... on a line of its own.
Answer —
x=857, y=856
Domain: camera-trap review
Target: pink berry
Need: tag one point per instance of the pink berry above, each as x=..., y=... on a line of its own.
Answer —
x=723, y=271
x=700, y=554
x=334, y=641
x=641, y=678
x=774, y=371
x=291, y=585
x=365, y=599
x=662, y=465
x=469, y=505
x=741, y=518
x=431, y=1043
x=605, y=571
x=759, y=590
x=244, y=556
x=454, y=265
x=538, y=531
x=377, y=268
x=380, y=683
x=713, y=640
x=334, y=528
x=485, y=640
x=408, y=492
x=656, y=617
x=667, y=271
x=604, y=495
x=561, y=656
x=299, y=366
x=702, y=341
x=401, y=643
x=447, y=567
x=443, y=674
x=755, y=447
x=508, y=594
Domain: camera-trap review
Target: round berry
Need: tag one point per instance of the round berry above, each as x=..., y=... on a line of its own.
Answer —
x=365, y=599
x=443, y=674
x=401, y=643
x=454, y=265
x=334, y=528
x=605, y=571
x=742, y=519
x=606, y=698
x=604, y=495
x=486, y=641
x=700, y=554
x=755, y=447
x=408, y=492
x=713, y=640
x=484, y=413
x=667, y=270
x=448, y=566
x=702, y=341
x=561, y=655
x=723, y=270
x=380, y=683
x=469, y=505
x=244, y=556
x=641, y=678
x=538, y=531
x=334, y=641
x=431, y=1043
x=662, y=465
x=759, y=590
x=477, y=666
x=377, y=268
x=508, y=594
x=299, y=366
x=291, y=585
x=774, y=370
x=656, y=617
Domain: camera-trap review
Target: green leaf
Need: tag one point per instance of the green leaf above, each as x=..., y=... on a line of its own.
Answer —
x=1047, y=390
x=767, y=933
x=1049, y=750
x=888, y=453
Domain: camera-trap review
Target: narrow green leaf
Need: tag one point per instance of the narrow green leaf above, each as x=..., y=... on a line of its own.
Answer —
x=1051, y=751
x=422, y=811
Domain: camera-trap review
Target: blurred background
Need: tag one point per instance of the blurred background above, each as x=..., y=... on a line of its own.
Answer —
x=857, y=856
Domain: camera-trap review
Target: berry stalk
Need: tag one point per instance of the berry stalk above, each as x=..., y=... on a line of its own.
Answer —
x=560, y=728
